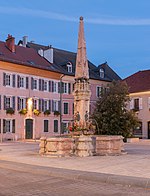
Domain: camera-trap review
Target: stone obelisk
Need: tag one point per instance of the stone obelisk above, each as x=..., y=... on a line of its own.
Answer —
x=82, y=91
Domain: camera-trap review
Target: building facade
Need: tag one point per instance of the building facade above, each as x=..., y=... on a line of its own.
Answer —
x=43, y=77
x=139, y=89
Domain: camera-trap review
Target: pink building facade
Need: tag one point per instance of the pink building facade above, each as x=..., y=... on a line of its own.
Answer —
x=44, y=75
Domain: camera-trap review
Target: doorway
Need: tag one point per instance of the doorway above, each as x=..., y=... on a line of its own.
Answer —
x=29, y=129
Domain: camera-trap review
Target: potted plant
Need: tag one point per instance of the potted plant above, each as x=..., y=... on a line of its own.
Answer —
x=36, y=112
x=56, y=113
x=47, y=112
x=23, y=111
x=10, y=111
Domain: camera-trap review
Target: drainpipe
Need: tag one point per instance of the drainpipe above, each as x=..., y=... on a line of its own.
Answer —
x=61, y=77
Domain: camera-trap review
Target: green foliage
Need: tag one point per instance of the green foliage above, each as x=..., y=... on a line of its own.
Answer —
x=56, y=113
x=111, y=112
x=36, y=112
x=47, y=112
x=10, y=111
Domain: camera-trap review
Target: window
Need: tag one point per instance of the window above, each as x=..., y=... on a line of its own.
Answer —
x=55, y=126
x=65, y=88
x=98, y=91
x=65, y=126
x=136, y=104
x=9, y=125
x=45, y=125
x=69, y=67
x=55, y=105
x=8, y=102
x=46, y=105
x=66, y=108
x=45, y=85
x=101, y=73
x=35, y=104
x=35, y=84
x=56, y=87
x=21, y=103
x=9, y=79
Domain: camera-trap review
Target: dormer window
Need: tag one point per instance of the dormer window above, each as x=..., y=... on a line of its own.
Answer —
x=101, y=73
x=69, y=67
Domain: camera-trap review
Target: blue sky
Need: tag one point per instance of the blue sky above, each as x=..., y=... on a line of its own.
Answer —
x=116, y=31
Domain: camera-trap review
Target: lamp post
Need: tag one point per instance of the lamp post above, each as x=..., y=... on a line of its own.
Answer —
x=61, y=77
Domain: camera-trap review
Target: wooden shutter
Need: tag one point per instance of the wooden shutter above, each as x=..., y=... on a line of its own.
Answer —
x=40, y=105
x=18, y=103
x=40, y=84
x=32, y=83
x=27, y=82
x=59, y=87
x=18, y=81
x=62, y=87
x=4, y=102
x=4, y=126
x=140, y=104
x=4, y=79
x=50, y=105
x=13, y=126
x=69, y=88
x=59, y=105
x=13, y=102
x=50, y=86
x=131, y=104
x=14, y=80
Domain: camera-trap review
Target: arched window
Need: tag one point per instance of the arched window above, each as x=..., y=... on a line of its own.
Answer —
x=69, y=67
x=101, y=73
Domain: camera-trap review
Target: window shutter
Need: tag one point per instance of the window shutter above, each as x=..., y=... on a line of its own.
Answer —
x=149, y=102
x=27, y=82
x=140, y=104
x=0, y=125
x=50, y=86
x=69, y=88
x=18, y=103
x=14, y=80
x=55, y=125
x=4, y=79
x=59, y=105
x=13, y=102
x=4, y=102
x=131, y=104
x=50, y=105
x=32, y=83
x=58, y=87
x=4, y=126
x=62, y=87
x=40, y=84
x=0, y=102
x=13, y=126
x=42, y=105
x=18, y=81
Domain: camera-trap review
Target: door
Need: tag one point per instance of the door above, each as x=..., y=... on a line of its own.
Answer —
x=29, y=129
x=149, y=130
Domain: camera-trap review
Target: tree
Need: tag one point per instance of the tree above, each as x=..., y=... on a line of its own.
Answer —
x=111, y=112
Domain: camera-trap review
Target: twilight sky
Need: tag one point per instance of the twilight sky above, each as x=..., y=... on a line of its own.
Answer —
x=116, y=31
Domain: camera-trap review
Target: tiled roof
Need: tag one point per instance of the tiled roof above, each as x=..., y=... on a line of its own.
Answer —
x=25, y=56
x=139, y=81
x=62, y=57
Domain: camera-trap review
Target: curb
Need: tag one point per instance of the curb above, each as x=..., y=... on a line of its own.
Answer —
x=129, y=181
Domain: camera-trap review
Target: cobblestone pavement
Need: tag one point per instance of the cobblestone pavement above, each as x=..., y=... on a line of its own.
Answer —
x=26, y=180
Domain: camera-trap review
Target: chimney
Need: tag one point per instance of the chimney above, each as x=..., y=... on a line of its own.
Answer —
x=48, y=54
x=10, y=43
x=24, y=41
